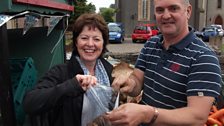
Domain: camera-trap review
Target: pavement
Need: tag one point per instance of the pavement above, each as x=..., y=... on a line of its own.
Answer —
x=127, y=47
x=125, y=51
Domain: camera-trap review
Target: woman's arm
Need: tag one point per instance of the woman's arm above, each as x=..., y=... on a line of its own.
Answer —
x=51, y=89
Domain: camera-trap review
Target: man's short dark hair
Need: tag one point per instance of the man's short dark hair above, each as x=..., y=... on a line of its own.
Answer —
x=186, y=2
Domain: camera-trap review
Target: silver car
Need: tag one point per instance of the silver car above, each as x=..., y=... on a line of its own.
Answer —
x=219, y=29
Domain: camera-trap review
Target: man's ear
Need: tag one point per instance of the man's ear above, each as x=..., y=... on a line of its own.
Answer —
x=189, y=10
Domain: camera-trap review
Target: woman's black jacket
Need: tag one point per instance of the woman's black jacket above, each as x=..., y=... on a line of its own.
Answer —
x=57, y=98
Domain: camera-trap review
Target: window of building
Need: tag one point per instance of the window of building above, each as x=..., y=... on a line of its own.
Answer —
x=203, y=4
x=219, y=4
x=144, y=10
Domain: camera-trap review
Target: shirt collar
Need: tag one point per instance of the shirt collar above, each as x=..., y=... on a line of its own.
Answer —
x=182, y=43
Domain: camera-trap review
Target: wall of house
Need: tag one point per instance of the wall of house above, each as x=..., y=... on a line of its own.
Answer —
x=213, y=12
x=200, y=14
x=128, y=14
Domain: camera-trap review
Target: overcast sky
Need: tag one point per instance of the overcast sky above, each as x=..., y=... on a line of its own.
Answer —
x=101, y=3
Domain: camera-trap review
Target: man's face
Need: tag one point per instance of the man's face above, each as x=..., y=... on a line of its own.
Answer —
x=172, y=16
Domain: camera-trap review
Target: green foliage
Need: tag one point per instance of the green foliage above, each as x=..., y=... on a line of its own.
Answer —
x=108, y=14
x=80, y=7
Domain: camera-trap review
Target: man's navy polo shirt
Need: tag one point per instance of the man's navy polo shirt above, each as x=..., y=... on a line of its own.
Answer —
x=188, y=68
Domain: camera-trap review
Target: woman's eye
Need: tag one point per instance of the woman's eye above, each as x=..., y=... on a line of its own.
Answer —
x=84, y=38
x=97, y=40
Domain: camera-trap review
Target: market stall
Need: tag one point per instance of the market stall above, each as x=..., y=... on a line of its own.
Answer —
x=31, y=41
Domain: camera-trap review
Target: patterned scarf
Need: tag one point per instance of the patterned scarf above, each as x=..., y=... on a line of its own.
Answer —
x=100, y=72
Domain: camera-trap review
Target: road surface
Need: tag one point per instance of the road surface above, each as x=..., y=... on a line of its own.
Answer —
x=126, y=47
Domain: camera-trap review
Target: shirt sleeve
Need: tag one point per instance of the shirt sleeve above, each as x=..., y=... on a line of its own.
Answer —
x=205, y=76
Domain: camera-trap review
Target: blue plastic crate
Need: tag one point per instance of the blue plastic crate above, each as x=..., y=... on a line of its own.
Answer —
x=23, y=77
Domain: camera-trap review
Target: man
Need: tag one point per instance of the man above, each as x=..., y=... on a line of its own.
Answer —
x=179, y=75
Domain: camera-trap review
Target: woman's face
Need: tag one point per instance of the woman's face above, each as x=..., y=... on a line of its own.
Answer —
x=89, y=44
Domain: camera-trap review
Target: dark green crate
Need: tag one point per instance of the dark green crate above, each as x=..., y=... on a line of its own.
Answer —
x=23, y=77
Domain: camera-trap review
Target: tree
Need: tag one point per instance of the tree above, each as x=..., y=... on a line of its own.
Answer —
x=108, y=14
x=80, y=7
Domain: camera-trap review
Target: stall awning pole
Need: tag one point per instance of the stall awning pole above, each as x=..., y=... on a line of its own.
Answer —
x=6, y=97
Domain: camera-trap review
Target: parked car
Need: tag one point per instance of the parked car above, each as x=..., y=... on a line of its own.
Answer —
x=154, y=28
x=219, y=28
x=117, y=24
x=143, y=32
x=209, y=32
x=199, y=34
x=115, y=34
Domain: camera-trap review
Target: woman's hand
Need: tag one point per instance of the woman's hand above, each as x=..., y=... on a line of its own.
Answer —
x=86, y=81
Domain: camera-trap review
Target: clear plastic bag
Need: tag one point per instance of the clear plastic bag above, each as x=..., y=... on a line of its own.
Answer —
x=101, y=99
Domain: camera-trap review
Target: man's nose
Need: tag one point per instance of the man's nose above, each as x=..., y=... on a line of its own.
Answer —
x=166, y=14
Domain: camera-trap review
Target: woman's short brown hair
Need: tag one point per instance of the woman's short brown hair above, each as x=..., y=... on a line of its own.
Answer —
x=92, y=20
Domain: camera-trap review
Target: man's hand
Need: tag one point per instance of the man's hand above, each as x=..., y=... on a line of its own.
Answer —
x=120, y=83
x=131, y=85
x=130, y=114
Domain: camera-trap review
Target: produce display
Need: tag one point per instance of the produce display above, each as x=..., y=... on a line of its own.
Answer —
x=216, y=117
x=125, y=69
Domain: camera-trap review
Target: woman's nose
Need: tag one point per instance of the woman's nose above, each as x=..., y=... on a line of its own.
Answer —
x=90, y=42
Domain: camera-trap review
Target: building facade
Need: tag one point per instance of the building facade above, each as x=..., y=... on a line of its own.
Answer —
x=215, y=12
x=133, y=12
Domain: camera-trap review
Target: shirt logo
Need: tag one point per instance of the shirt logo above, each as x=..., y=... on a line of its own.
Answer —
x=175, y=67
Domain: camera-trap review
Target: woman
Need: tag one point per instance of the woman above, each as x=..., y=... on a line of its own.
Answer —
x=58, y=98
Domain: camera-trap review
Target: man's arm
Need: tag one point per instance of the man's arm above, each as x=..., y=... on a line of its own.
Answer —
x=195, y=114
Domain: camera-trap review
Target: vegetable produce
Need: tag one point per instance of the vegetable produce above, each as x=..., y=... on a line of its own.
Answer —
x=216, y=117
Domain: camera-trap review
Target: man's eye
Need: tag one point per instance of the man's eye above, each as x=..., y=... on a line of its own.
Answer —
x=173, y=9
x=159, y=10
